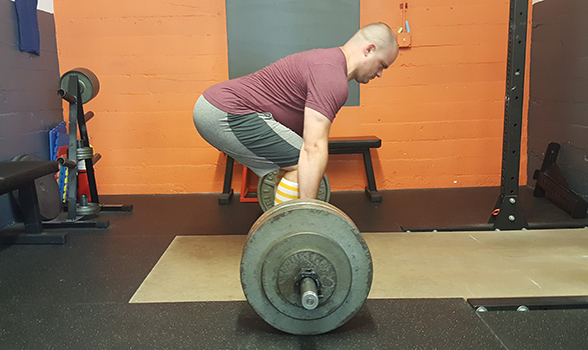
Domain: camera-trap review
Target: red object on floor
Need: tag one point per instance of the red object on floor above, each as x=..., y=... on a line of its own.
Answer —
x=83, y=184
x=245, y=188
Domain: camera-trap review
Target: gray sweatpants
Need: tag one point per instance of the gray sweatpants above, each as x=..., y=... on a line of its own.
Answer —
x=255, y=140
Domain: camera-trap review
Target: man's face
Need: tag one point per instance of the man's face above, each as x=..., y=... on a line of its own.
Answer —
x=374, y=64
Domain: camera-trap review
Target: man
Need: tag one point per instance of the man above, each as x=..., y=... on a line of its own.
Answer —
x=280, y=116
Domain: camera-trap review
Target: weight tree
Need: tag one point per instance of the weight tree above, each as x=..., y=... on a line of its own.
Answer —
x=78, y=87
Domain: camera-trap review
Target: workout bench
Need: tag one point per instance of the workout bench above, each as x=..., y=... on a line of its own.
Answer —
x=21, y=176
x=337, y=145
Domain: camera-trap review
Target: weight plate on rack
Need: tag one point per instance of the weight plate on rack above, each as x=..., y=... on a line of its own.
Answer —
x=89, y=208
x=84, y=153
x=89, y=84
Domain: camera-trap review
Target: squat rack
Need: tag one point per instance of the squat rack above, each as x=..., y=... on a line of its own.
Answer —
x=508, y=213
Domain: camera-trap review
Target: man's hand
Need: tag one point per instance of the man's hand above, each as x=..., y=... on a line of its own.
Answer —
x=314, y=153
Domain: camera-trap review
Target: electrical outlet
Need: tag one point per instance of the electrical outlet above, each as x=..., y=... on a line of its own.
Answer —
x=404, y=40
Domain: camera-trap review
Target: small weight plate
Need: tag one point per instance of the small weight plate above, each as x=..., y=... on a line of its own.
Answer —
x=48, y=194
x=266, y=190
x=309, y=250
x=89, y=84
x=299, y=234
x=84, y=153
x=89, y=209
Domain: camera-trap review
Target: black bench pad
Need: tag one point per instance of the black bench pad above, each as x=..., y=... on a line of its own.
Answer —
x=354, y=142
x=15, y=174
x=21, y=176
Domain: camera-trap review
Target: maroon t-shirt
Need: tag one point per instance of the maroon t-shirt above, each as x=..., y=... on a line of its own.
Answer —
x=316, y=79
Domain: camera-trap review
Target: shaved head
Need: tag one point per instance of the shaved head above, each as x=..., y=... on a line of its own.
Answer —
x=377, y=33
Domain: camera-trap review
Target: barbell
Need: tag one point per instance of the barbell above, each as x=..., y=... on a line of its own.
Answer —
x=305, y=268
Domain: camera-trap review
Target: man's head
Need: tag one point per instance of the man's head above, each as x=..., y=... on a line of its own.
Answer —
x=371, y=50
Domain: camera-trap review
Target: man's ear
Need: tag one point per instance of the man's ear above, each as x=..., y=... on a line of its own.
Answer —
x=369, y=48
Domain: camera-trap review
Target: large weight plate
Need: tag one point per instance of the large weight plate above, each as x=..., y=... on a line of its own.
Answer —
x=305, y=234
x=266, y=190
x=48, y=194
x=89, y=84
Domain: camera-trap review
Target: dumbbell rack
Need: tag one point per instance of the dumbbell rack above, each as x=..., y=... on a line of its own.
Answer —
x=80, y=150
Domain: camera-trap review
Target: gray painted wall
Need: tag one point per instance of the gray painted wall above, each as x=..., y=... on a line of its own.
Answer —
x=259, y=32
x=558, y=110
x=29, y=106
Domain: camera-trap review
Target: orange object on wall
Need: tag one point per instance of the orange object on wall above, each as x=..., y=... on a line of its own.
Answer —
x=438, y=109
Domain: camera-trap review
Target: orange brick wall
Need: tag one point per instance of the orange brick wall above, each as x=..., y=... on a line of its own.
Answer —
x=438, y=110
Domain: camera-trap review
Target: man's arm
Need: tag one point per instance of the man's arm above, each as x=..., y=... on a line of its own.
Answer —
x=314, y=153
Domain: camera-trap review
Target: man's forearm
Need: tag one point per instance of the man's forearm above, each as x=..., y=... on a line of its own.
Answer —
x=311, y=167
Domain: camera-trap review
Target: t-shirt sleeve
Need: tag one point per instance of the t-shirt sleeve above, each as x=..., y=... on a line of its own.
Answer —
x=326, y=91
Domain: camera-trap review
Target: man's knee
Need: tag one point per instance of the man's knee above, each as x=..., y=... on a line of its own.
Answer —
x=291, y=173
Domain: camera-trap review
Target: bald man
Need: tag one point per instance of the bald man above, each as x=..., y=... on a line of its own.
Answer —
x=280, y=116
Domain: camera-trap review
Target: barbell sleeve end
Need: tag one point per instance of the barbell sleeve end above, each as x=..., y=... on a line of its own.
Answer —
x=309, y=296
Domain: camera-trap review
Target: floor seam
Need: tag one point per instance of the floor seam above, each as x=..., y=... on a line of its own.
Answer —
x=492, y=330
